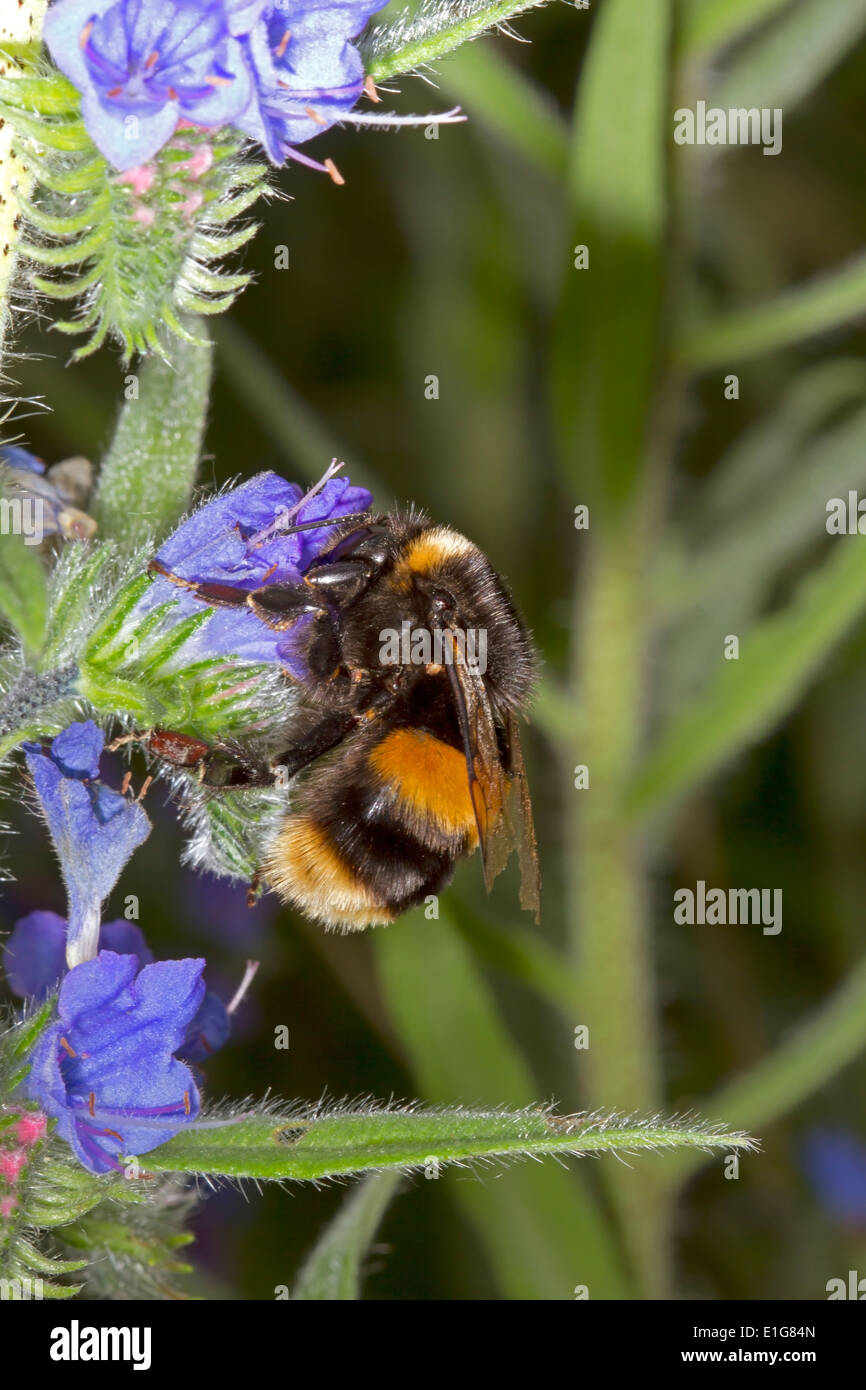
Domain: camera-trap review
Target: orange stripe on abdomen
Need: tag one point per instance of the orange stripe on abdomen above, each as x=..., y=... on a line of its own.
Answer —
x=430, y=776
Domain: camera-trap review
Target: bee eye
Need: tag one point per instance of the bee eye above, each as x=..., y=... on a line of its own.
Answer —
x=442, y=601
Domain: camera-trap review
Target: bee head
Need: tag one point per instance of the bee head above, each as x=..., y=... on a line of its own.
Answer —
x=456, y=589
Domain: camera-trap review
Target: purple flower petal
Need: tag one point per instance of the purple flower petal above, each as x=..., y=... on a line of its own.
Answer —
x=208, y=1032
x=213, y=543
x=835, y=1161
x=125, y=939
x=106, y=1070
x=236, y=539
x=21, y=459
x=64, y=25
x=76, y=750
x=95, y=831
x=307, y=74
x=142, y=64
x=128, y=139
x=36, y=951
x=35, y=954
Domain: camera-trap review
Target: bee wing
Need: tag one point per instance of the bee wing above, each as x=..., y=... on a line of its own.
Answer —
x=522, y=824
x=500, y=796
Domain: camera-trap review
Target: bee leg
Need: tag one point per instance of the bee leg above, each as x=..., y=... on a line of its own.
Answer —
x=253, y=888
x=226, y=770
x=341, y=581
x=330, y=731
x=277, y=605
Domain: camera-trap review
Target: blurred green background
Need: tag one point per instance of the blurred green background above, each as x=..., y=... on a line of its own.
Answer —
x=453, y=257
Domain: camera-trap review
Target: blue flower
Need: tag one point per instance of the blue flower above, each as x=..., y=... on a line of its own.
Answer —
x=307, y=75
x=35, y=954
x=280, y=71
x=835, y=1161
x=50, y=497
x=106, y=1070
x=35, y=960
x=208, y=1031
x=94, y=829
x=143, y=65
x=240, y=539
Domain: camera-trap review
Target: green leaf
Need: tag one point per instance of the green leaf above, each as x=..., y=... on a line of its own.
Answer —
x=825, y=303
x=418, y=37
x=758, y=466
x=228, y=830
x=765, y=502
x=606, y=369
x=777, y=661
x=146, y=480
x=24, y=1035
x=343, y=1141
x=71, y=595
x=606, y=334
x=531, y=1222
x=22, y=589
x=50, y=96
x=783, y=66
x=708, y=24
x=152, y=256
x=332, y=1270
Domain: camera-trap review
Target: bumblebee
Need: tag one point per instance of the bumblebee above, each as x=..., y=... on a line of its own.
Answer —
x=405, y=746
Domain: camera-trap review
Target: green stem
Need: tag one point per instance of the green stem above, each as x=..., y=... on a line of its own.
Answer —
x=408, y=49
x=333, y=1268
x=615, y=426
x=21, y=22
x=610, y=938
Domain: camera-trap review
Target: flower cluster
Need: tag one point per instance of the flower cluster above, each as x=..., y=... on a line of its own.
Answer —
x=280, y=71
x=114, y=1067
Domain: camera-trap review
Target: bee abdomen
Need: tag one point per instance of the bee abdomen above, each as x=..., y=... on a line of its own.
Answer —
x=371, y=840
x=351, y=874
